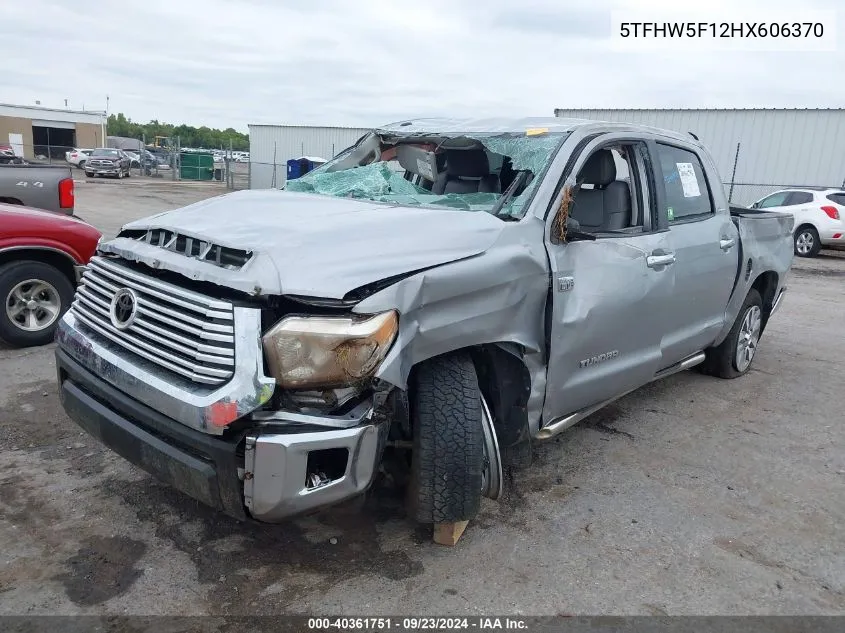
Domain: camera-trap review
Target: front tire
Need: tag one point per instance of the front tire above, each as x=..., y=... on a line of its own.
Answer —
x=733, y=356
x=34, y=295
x=807, y=242
x=447, y=463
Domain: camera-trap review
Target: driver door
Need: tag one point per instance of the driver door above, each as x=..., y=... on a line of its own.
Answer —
x=609, y=297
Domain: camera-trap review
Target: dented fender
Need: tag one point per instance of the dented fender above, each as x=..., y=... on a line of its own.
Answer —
x=498, y=296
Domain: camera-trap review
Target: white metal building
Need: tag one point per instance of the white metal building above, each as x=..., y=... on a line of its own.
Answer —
x=777, y=147
x=271, y=146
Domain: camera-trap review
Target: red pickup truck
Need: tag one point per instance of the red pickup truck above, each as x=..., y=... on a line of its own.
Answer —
x=42, y=256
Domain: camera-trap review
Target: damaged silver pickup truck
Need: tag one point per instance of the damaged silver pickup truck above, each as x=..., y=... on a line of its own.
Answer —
x=429, y=302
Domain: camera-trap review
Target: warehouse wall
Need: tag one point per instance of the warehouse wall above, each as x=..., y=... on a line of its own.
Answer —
x=88, y=135
x=16, y=125
x=270, y=147
x=778, y=148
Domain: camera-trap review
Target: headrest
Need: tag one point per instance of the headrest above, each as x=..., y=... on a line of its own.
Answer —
x=599, y=170
x=467, y=163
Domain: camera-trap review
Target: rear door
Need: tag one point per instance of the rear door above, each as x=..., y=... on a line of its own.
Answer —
x=705, y=245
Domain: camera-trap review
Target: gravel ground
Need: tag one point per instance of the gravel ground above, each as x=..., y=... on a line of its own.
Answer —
x=690, y=496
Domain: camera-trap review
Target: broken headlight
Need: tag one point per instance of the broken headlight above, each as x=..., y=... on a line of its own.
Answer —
x=308, y=352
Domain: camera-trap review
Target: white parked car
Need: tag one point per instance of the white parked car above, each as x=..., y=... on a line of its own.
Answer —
x=819, y=216
x=78, y=157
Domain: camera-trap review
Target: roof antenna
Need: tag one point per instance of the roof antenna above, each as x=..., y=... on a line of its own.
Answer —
x=694, y=136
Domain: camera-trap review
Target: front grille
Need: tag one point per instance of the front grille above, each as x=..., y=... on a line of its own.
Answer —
x=101, y=163
x=223, y=256
x=183, y=331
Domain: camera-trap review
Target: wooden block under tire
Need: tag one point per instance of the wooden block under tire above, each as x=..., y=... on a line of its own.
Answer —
x=449, y=533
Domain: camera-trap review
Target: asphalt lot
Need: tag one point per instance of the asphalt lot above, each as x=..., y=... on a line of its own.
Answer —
x=693, y=495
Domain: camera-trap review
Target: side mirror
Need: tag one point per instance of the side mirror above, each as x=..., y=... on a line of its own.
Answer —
x=756, y=205
x=573, y=225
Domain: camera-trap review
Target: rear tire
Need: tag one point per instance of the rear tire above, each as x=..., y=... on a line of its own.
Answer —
x=806, y=241
x=81, y=164
x=447, y=461
x=733, y=356
x=19, y=285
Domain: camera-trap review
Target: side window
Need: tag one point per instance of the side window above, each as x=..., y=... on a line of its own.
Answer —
x=799, y=197
x=609, y=196
x=774, y=200
x=838, y=198
x=687, y=192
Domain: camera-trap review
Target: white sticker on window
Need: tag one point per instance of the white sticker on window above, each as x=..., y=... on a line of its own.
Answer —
x=688, y=180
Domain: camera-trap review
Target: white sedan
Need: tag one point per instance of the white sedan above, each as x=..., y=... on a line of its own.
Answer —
x=819, y=216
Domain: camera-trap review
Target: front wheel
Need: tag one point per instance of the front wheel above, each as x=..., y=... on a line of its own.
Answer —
x=35, y=295
x=733, y=356
x=455, y=459
x=807, y=242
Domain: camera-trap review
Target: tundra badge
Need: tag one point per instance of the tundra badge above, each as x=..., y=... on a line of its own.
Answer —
x=595, y=360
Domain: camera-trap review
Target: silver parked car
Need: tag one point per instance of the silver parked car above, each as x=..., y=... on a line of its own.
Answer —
x=434, y=299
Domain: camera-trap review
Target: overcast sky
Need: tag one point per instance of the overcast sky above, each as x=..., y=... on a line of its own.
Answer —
x=228, y=63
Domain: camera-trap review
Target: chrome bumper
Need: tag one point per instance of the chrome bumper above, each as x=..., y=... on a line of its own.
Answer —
x=267, y=472
x=276, y=470
x=196, y=406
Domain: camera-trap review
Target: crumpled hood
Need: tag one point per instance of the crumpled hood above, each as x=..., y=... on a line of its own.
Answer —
x=312, y=245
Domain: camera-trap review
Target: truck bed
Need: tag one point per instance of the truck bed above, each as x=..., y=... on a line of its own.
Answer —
x=34, y=185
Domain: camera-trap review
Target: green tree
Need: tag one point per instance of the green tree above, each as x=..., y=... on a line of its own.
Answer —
x=189, y=136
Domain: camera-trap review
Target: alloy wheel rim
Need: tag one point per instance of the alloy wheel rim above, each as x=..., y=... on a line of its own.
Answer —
x=804, y=242
x=749, y=336
x=491, y=477
x=33, y=305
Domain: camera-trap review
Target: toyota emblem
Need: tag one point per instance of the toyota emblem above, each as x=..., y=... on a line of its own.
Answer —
x=124, y=307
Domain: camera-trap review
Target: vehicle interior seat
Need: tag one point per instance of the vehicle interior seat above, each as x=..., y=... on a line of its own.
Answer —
x=607, y=206
x=467, y=171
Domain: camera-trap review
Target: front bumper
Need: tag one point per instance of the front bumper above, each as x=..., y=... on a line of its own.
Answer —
x=104, y=171
x=257, y=473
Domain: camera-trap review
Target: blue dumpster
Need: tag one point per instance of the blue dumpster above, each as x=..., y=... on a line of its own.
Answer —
x=300, y=166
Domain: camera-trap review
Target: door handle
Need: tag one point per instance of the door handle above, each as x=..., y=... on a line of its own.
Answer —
x=727, y=243
x=660, y=260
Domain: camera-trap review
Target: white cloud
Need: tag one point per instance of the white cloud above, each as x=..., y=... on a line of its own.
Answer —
x=223, y=63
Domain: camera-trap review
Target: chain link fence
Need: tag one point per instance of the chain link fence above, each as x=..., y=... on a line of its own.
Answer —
x=744, y=194
x=167, y=162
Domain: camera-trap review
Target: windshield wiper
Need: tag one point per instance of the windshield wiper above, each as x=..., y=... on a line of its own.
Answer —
x=515, y=184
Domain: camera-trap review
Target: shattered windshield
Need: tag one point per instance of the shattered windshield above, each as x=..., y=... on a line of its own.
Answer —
x=492, y=173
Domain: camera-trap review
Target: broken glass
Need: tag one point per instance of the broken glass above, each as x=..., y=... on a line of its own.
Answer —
x=380, y=182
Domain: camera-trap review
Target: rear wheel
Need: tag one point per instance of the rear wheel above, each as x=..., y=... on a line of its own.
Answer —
x=35, y=295
x=733, y=356
x=455, y=459
x=81, y=164
x=807, y=242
